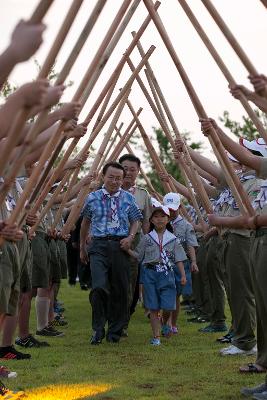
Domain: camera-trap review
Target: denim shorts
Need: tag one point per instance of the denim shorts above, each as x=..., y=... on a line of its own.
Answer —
x=187, y=289
x=159, y=290
x=142, y=273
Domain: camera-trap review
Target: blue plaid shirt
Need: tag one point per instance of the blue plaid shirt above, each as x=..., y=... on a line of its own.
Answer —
x=97, y=209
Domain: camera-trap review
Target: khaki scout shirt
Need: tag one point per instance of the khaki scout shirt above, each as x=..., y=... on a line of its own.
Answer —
x=149, y=252
x=263, y=169
x=143, y=200
x=251, y=186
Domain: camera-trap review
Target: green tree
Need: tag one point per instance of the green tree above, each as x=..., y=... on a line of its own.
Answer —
x=244, y=129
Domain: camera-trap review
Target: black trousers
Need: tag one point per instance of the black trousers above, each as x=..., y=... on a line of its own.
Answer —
x=110, y=270
x=73, y=261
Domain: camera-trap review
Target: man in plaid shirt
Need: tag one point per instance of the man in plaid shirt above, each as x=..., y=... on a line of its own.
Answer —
x=110, y=222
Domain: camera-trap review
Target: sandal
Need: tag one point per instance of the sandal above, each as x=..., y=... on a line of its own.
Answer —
x=252, y=368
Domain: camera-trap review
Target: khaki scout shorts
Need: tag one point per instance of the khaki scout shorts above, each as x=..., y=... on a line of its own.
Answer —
x=25, y=255
x=54, y=265
x=63, y=258
x=9, y=278
x=41, y=257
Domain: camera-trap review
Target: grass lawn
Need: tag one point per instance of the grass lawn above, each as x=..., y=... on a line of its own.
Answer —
x=184, y=367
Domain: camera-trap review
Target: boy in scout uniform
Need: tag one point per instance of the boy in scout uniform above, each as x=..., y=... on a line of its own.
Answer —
x=10, y=281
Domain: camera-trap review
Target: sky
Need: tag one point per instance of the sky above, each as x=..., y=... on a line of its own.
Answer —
x=246, y=18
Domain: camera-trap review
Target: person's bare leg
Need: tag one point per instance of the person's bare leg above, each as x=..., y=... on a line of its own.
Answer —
x=166, y=317
x=175, y=313
x=9, y=328
x=24, y=314
x=2, y=317
x=155, y=323
x=56, y=290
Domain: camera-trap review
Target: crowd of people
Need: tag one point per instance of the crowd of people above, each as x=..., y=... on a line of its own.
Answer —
x=127, y=244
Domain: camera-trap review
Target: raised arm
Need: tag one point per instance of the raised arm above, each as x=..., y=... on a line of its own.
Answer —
x=28, y=95
x=258, y=100
x=206, y=175
x=25, y=41
x=239, y=152
x=203, y=162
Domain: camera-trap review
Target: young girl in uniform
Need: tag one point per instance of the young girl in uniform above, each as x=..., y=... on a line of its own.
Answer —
x=160, y=253
x=184, y=231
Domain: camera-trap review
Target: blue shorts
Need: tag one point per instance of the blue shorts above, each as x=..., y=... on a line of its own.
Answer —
x=141, y=278
x=187, y=289
x=159, y=290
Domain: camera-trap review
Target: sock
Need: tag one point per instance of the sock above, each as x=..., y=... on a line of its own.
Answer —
x=42, y=308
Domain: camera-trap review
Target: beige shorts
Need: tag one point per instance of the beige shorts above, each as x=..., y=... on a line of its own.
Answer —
x=9, y=278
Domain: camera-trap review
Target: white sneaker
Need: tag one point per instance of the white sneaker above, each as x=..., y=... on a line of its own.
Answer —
x=235, y=351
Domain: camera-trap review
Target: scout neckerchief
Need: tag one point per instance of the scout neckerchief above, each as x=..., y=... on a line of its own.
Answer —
x=192, y=213
x=9, y=201
x=113, y=218
x=243, y=178
x=261, y=199
x=179, y=236
x=165, y=265
x=225, y=197
x=176, y=220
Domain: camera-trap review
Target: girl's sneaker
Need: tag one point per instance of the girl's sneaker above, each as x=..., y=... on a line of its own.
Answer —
x=155, y=341
x=6, y=373
x=166, y=331
x=174, y=330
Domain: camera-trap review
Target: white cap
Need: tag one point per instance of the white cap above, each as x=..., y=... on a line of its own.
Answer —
x=155, y=202
x=160, y=208
x=172, y=201
x=256, y=145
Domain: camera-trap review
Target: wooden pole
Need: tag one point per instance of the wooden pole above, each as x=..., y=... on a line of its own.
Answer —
x=50, y=181
x=153, y=154
x=186, y=172
x=89, y=73
x=105, y=50
x=197, y=182
x=109, y=87
x=219, y=61
x=111, y=81
x=146, y=178
x=92, y=67
x=54, y=140
x=112, y=142
x=77, y=207
x=40, y=11
x=9, y=179
x=131, y=128
x=73, y=180
x=232, y=179
x=53, y=178
x=105, y=103
x=157, y=94
x=230, y=37
x=22, y=115
x=264, y=2
x=51, y=201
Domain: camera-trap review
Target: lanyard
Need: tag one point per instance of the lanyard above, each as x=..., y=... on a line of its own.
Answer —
x=160, y=246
